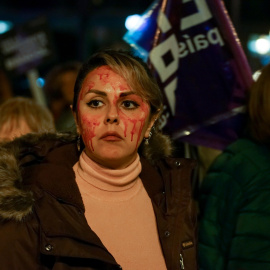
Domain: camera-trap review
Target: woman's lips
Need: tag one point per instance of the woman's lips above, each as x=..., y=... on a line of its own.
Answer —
x=111, y=137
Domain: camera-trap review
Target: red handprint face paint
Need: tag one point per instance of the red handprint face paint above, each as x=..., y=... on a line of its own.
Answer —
x=112, y=118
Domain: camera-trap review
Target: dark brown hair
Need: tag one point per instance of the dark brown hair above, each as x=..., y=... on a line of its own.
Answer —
x=52, y=87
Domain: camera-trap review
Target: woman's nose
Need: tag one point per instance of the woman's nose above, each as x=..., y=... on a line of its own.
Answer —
x=112, y=116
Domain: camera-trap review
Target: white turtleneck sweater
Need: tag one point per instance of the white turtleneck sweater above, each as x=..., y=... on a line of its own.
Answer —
x=119, y=210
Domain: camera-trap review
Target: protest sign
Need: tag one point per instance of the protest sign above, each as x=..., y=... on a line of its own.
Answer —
x=26, y=46
x=196, y=56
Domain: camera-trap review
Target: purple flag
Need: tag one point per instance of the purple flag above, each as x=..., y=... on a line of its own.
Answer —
x=194, y=51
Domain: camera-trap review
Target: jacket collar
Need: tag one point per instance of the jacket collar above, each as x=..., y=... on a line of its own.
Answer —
x=65, y=188
x=31, y=160
x=16, y=197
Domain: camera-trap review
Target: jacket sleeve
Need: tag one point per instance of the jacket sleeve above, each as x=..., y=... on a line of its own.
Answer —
x=19, y=247
x=234, y=219
x=219, y=199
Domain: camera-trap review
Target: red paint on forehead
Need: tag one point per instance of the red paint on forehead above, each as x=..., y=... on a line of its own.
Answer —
x=91, y=85
x=103, y=73
x=123, y=87
x=108, y=76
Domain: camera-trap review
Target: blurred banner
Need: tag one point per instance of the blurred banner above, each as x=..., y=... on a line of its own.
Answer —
x=26, y=46
x=194, y=51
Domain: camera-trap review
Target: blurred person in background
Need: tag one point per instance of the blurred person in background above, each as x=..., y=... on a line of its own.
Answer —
x=110, y=197
x=21, y=115
x=234, y=198
x=59, y=85
x=6, y=90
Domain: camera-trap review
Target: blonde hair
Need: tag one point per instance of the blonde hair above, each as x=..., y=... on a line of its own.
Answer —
x=259, y=107
x=37, y=117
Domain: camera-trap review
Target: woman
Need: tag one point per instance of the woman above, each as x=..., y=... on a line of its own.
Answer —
x=116, y=200
x=234, y=199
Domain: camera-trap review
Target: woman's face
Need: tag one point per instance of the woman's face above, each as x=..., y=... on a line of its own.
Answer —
x=111, y=118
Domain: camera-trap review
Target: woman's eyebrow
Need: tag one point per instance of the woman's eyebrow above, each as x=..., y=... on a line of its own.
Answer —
x=124, y=94
x=98, y=92
x=102, y=93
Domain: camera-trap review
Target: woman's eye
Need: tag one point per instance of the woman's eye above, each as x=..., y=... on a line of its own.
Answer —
x=129, y=104
x=95, y=103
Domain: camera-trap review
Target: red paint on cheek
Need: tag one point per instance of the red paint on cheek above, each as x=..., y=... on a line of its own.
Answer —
x=88, y=133
x=133, y=131
x=145, y=113
x=142, y=117
x=133, y=121
x=140, y=131
x=126, y=126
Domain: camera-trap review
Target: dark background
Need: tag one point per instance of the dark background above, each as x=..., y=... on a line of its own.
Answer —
x=79, y=27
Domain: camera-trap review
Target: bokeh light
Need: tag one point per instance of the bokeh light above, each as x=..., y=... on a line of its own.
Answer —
x=133, y=21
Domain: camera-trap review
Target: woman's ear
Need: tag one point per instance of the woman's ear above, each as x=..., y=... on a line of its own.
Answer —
x=150, y=126
x=152, y=122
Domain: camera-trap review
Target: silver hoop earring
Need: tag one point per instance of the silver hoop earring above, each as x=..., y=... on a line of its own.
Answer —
x=79, y=143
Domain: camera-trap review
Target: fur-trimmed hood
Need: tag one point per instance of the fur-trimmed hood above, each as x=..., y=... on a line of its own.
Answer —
x=16, y=201
x=16, y=198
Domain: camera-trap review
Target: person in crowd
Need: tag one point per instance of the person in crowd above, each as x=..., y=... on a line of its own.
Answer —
x=110, y=197
x=22, y=115
x=6, y=90
x=59, y=85
x=234, y=197
x=205, y=157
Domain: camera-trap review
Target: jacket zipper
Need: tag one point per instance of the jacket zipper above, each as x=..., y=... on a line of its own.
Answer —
x=182, y=266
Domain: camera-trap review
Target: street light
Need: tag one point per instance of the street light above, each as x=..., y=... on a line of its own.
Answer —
x=5, y=26
x=133, y=21
x=259, y=44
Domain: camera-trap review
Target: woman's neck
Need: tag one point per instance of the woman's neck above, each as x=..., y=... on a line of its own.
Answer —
x=108, y=179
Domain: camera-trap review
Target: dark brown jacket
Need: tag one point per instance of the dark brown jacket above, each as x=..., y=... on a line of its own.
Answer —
x=42, y=214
